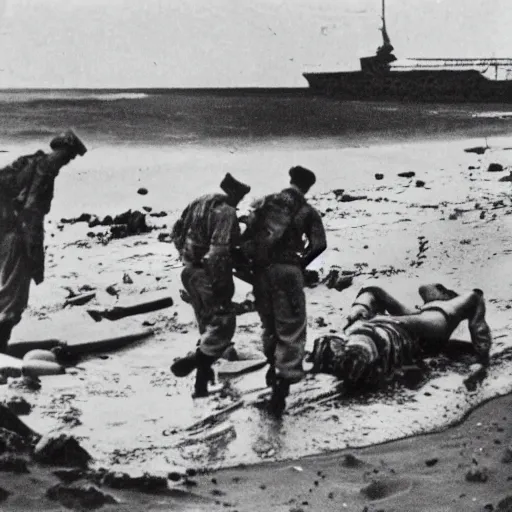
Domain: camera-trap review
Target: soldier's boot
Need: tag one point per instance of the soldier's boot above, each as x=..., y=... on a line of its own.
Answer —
x=270, y=376
x=185, y=365
x=204, y=375
x=280, y=390
x=479, y=328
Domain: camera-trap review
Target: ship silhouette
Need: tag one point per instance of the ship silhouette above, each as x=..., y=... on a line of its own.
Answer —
x=382, y=77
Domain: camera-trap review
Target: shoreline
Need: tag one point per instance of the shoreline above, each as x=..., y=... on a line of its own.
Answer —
x=466, y=467
x=464, y=213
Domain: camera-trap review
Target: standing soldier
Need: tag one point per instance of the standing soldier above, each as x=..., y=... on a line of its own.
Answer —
x=205, y=237
x=274, y=241
x=26, y=193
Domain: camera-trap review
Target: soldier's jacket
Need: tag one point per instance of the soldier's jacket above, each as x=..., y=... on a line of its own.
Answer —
x=276, y=229
x=26, y=193
x=370, y=353
x=210, y=232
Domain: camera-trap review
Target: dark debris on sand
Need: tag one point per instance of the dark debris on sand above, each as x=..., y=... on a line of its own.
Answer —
x=126, y=224
x=79, y=497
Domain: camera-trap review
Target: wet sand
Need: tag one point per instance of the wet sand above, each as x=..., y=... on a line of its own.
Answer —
x=119, y=405
x=423, y=473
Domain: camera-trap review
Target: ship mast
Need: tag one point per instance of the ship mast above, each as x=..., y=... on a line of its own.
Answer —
x=384, y=52
x=385, y=36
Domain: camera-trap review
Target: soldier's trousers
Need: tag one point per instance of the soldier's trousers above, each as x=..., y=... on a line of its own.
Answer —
x=216, y=328
x=5, y=335
x=281, y=305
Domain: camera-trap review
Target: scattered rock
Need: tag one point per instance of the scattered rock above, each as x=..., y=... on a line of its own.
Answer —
x=18, y=405
x=62, y=450
x=150, y=483
x=311, y=278
x=505, y=505
x=320, y=322
x=385, y=487
x=127, y=279
x=145, y=483
x=69, y=476
x=174, y=476
x=111, y=290
x=147, y=209
x=420, y=183
x=476, y=474
x=407, y=174
x=431, y=462
x=3, y=494
x=158, y=214
x=482, y=214
x=494, y=167
x=343, y=282
x=337, y=281
x=351, y=461
x=507, y=456
x=129, y=223
x=506, y=178
x=479, y=150
x=142, y=191
x=13, y=463
x=12, y=442
x=379, y=176
x=80, y=497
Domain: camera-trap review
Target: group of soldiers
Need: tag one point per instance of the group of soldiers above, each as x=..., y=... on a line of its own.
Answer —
x=282, y=235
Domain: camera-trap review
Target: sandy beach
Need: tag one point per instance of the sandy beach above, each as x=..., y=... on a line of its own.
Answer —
x=123, y=405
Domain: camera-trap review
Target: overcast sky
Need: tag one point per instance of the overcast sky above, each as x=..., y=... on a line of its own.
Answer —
x=230, y=43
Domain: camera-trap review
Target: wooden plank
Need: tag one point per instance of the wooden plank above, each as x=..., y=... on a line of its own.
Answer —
x=234, y=368
x=135, y=305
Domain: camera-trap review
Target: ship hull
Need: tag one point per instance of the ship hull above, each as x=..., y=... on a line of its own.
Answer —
x=423, y=85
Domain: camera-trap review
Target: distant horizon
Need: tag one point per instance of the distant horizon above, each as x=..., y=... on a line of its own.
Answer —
x=140, y=89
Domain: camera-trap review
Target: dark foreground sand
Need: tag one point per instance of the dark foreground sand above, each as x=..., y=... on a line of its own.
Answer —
x=427, y=473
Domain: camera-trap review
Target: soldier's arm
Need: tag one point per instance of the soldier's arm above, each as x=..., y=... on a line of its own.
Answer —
x=40, y=191
x=317, y=241
x=34, y=203
x=218, y=260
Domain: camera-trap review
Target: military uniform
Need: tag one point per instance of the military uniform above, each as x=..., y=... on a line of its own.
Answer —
x=372, y=351
x=205, y=237
x=212, y=232
x=279, y=262
x=26, y=193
